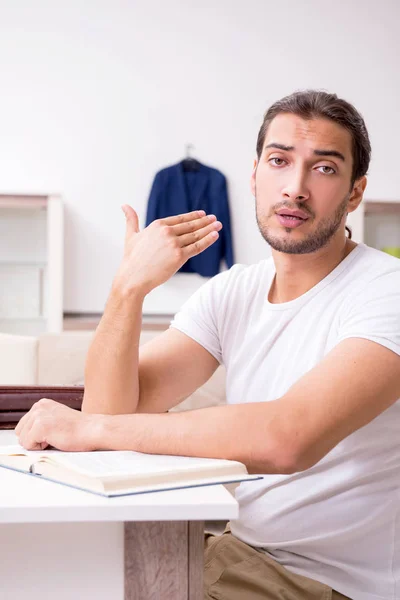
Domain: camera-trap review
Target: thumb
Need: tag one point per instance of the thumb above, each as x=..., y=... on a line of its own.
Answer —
x=132, y=220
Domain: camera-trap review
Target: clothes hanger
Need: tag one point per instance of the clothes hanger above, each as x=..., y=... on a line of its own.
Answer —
x=189, y=163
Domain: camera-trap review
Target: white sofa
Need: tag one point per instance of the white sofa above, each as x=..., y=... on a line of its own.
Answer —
x=59, y=359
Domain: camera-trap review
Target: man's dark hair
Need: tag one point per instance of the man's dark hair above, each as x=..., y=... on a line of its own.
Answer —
x=317, y=104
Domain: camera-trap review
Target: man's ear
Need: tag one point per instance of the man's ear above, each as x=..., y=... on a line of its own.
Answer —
x=253, y=178
x=357, y=193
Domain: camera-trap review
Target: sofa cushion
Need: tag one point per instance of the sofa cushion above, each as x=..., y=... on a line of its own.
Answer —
x=62, y=357
x=212, y=393
x=18, y=359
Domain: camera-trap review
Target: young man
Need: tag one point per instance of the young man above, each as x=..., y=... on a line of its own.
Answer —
x=311, y=341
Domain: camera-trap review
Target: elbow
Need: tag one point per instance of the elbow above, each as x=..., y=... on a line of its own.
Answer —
x=295, y=457
x=292, y=447
x=286, y=461
x=287, y=456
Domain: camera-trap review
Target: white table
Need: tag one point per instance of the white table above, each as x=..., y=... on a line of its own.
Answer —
x=61, y=542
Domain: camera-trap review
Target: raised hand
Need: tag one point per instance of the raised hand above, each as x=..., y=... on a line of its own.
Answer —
x=153, y=255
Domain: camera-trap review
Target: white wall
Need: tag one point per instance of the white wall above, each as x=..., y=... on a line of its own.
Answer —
x=98, y=95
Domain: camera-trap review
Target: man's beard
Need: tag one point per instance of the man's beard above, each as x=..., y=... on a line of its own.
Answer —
x=314, y=241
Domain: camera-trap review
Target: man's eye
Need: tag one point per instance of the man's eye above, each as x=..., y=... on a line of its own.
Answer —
x=326, y=170
x=278, y=161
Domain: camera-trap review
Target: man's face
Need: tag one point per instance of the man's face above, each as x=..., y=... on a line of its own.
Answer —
x=306, y=166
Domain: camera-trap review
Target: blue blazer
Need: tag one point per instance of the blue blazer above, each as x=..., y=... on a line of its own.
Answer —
x=175, y=191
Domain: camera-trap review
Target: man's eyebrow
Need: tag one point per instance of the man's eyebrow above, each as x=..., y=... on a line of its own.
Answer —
x=317, y=152
x=330, y=153
x=280, y=146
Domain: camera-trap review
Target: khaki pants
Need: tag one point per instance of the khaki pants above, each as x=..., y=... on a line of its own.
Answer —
x=235, y=571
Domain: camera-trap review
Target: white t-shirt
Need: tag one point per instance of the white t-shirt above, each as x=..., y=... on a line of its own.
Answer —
x=339, y=521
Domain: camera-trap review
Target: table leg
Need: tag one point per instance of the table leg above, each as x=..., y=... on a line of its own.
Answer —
x=164, y=560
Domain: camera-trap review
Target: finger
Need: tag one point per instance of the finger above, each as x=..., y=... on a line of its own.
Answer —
x=22, y=423
x=193, y=225
x=201, y=245
x=175, y=220
x=41, y=446
x=132, y=221
x=36, y=446
x=199, y=234
x=24, y=434
x=33, y=438
x=26, y=422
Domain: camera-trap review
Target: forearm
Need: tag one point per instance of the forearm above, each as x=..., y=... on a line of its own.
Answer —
x=111, y=372
x=249, y=433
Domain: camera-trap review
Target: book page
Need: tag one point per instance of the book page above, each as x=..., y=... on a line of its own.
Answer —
x=15, y=457
x=124, y=463
x=14, y=450
x=17, y=450
x=120, y=463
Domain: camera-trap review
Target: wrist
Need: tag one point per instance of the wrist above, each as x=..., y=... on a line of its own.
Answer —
x=95, y=431
x=124, y=292
x=117, y=432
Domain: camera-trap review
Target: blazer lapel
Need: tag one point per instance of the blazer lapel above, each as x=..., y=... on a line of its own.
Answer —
x=201, y=180
x=198, y=193
x=182, y=188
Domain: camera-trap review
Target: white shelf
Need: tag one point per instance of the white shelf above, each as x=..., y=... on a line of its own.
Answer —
x=376, y=223
x=375, y=207
x=22, y=320
x=17, y=201
x=32, y=327
x=9, y=263
x=31, y=263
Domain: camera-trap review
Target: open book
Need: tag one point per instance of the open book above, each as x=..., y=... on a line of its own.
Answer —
x=117, y=473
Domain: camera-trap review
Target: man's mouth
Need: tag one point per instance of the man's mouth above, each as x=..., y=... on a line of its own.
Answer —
x=291, y=221
x=287, y=212
x=292, y=217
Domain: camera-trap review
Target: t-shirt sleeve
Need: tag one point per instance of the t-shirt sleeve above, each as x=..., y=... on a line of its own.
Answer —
x=374, y=314
x=198, y=317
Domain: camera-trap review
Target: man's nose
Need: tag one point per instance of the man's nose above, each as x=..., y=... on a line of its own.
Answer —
x=296, y=187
